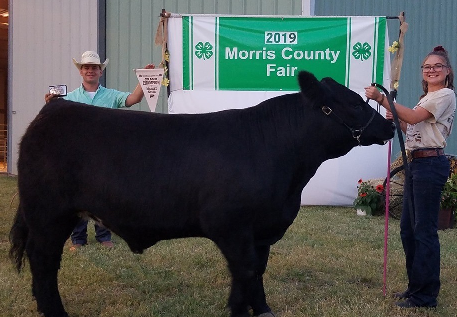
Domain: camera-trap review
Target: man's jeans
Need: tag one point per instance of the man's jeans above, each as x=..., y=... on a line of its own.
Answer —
x=79, y=234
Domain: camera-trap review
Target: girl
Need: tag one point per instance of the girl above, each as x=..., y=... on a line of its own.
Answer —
x=426, y=126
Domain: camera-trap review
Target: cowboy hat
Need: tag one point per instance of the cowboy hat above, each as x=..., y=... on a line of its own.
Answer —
x=90, y=57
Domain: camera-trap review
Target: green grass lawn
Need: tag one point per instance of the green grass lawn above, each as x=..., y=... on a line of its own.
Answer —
x=330, y=263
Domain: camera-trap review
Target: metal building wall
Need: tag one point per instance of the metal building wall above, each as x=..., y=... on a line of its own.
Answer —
x=131, y=27
x=43, y=37
x=431, y=23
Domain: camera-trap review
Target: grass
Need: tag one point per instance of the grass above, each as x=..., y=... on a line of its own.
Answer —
x=329, y=263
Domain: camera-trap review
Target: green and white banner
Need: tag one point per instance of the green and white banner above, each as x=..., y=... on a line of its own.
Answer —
x=266, y=53
x=227, y=62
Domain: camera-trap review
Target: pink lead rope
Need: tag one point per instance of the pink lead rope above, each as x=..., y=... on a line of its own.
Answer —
x=386, y=222
x=395, y=75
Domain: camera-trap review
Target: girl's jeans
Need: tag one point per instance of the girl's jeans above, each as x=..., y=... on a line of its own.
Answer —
x=421, y=243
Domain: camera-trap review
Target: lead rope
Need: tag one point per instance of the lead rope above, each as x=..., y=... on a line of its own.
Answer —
x=404, y=157
x=395, y=77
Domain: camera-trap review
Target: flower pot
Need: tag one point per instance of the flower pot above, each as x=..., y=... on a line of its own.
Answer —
x=445, y=219
x=361, y=212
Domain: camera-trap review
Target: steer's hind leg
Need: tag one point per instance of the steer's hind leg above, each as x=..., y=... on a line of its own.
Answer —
x=238, y=249
x=44, y=250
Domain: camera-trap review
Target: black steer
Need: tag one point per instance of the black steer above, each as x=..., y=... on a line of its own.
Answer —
x=234, y=177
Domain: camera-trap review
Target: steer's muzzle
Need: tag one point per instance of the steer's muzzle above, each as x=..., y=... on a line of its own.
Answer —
x=392, y=126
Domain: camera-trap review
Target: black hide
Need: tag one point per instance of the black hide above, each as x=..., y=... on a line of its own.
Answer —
x=234, y=177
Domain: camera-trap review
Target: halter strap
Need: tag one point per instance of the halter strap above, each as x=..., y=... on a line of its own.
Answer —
x=356, y=133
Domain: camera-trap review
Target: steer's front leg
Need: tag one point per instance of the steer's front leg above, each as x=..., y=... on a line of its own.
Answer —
x=238, y=249
x=258, y=302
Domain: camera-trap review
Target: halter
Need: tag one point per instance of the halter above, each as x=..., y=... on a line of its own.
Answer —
x=356, y=133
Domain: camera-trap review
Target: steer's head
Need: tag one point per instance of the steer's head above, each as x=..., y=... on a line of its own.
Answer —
x=346, y=109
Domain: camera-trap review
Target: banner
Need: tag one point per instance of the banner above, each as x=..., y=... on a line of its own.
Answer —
x=228, y=62
x=150, y=81
x=266, y=53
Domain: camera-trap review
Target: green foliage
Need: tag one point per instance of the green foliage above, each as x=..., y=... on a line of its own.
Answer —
x=449, y=194
x=329, y=264
x=369, y=198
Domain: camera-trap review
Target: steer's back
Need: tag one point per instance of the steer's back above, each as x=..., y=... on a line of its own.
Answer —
x=136, y=171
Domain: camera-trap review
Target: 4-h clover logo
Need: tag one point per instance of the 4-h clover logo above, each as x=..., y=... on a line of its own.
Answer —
x=361, y=51
x=204, y=51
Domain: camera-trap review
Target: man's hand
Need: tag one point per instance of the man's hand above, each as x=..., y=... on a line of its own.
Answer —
x=149, y=66
x=49, y=96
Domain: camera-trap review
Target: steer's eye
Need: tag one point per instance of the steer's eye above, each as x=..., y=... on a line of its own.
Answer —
x=358, y=107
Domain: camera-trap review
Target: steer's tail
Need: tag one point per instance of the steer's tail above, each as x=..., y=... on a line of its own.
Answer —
x=18, y=239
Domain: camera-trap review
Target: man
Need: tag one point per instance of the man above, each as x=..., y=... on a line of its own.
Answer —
x=92, y=93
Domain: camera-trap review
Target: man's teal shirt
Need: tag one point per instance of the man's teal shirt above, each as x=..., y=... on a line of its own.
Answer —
x=104, y=97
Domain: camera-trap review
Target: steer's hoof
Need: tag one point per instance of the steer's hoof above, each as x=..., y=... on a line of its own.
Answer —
x=269, y=314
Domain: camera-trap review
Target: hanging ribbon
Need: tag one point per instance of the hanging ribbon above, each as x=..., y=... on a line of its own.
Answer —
x=398, y=59
x=161, y=38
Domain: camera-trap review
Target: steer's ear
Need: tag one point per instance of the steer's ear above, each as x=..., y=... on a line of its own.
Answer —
x=311, y=88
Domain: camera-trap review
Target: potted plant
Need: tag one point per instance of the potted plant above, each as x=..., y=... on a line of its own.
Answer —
x=448, y=203
x=369, y=199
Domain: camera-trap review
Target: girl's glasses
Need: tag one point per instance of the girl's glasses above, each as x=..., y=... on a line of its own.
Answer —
x=436, y=67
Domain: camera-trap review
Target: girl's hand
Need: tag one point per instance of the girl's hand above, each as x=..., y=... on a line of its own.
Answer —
x=372, y=93
x=389, y=115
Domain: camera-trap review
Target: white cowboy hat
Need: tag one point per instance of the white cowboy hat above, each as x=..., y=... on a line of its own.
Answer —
x=90, y=57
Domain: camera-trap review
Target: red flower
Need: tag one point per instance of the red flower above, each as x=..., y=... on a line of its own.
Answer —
x=360, y=181
x=380, y=188
x=363, y=194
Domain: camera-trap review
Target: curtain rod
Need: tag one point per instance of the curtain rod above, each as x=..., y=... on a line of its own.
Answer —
x=180, y=15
